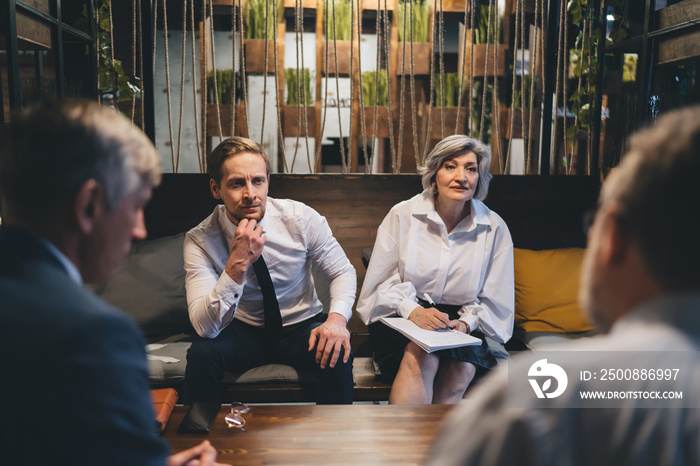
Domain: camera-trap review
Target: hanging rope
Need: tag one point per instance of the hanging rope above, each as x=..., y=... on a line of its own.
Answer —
x=590, y=68
x=111, y=52
x=523, y=71
x=484, y=93
x=396, y=164
x=363, y=123
x=277, y=93
x=297, y=16
x=325, y=98
x=143, y=103
x=388, y=81
x=244, y=80
x=471, y=69
x=578, y=100
x=217, y=105
x=441, y=49
x=182, y=84
x=337, y=92
x=300, y=46
x=431, y=70
x=205, y=83
x=565, y=68
x=377, y=66
x=233, y=69
x=560, y=52
x=414, y=107
x=200, y=158
x=494, y=93
x=264, y=106
x=167, y=85
x=513, y=110
x=133, y=53
x=534, y=54
x=352, y=82
x=462, y=71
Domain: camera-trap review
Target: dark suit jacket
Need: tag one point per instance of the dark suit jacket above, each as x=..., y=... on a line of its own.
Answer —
x=74, y=379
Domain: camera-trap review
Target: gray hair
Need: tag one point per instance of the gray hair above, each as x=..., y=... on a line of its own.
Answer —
x=454, y=146
x=655, y=190
x=48, y=151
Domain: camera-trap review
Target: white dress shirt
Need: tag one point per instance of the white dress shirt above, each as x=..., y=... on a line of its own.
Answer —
x=297, y=237
x=471, y=266
x=489, y=430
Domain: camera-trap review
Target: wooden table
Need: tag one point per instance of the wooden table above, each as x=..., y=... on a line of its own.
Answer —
x=311, y=434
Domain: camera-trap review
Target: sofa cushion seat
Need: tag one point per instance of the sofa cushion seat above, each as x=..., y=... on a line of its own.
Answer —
x=167, y=362
x=543, y=341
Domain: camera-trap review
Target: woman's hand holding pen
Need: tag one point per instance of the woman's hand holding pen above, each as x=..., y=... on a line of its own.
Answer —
x=430, y=318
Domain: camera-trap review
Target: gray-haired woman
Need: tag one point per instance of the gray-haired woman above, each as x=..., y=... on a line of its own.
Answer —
x=446, y=244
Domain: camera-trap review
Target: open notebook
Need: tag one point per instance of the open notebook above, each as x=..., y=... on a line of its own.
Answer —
x=430, y=340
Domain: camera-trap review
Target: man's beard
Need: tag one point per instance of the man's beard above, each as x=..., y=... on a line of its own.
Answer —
x=238, y=215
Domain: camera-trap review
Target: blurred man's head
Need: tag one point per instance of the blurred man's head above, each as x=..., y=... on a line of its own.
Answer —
x=79, y=174
x=644, y=240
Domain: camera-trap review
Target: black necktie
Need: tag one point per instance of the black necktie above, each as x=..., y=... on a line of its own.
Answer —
x=273, y=318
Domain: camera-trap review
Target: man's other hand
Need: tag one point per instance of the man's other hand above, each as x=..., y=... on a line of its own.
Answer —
x=201, y=455
x=246, y=246
x=328, y=338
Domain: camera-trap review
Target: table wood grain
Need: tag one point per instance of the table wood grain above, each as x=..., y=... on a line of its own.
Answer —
x=311, y=434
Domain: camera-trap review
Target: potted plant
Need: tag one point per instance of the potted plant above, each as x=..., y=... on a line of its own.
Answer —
x=520, y=125
x=374, y=98
x=292, y=116
x=260, y=30
x=337, y=26
x=223, y=87
x=413, y=25
x=480, y=42
x=446, y=99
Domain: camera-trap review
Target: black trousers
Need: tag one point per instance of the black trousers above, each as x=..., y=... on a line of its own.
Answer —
x=240, y=347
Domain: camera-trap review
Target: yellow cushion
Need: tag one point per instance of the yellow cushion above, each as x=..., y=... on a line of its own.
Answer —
x=546, y=290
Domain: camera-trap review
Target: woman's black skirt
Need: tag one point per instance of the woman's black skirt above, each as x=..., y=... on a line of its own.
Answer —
x=388, y=346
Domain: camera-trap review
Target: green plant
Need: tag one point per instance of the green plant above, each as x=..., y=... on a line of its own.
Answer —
x=525, y=85
x=256, y=25
x=370, y=84
x=225, y=82
x=343, y=19
x=584, y=59
x=111, y=78
x=451, y=94
x=482, y=26
x=291, y=76
x=479, y=106
x=421, y=20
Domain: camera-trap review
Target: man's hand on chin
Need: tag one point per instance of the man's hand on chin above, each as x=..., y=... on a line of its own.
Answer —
x=328, y=338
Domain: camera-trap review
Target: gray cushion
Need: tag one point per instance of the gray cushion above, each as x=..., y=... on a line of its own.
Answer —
x=167, y=364
x=545, y=340
x=151, y=288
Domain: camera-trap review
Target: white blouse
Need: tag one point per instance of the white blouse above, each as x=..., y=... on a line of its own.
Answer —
x=472, y=266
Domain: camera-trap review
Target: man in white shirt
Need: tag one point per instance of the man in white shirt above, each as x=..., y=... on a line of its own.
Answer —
x=250, y=289
x=640, y=284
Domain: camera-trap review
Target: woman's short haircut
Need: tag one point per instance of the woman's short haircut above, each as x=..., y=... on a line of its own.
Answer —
x=49, y=150
x=228, y=148
x=454, y=146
